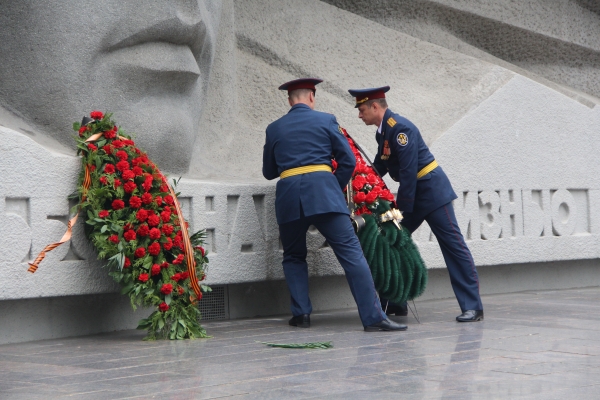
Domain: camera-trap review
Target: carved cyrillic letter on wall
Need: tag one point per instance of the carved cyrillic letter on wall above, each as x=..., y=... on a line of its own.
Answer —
x=489, y=212
x=467, y=215
x=511, y=210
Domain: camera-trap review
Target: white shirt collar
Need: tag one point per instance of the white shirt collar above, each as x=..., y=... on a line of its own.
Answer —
x=380, y=125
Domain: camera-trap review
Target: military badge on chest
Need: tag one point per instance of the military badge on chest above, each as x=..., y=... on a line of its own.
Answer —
x=385, y=154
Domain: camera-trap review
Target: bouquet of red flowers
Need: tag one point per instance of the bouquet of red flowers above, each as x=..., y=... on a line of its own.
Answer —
x=399, y=272
x=133, y=218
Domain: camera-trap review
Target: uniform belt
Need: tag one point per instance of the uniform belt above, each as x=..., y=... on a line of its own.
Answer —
x=427, y=169
x=304, y=170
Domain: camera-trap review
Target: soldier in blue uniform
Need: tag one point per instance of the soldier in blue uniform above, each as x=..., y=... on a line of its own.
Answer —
x=425, y=194
x=298, y=150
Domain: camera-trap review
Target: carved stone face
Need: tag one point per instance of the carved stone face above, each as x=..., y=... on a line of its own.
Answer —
x=147, y=62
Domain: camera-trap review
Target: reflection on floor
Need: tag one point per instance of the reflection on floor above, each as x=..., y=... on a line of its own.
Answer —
x=532, y=345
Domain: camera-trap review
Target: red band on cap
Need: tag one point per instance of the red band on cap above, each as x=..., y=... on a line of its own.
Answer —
x=369, y=96
x=302, y=85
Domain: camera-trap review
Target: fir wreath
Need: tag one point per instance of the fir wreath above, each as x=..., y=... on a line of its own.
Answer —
x=398, y=271
x=132, y=217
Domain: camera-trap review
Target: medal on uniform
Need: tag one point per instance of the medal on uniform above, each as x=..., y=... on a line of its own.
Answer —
x=386, y=151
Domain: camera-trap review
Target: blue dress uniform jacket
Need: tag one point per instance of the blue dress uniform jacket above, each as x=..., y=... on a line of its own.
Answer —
x=307, y=137
x=427, y=199
x=408, y=154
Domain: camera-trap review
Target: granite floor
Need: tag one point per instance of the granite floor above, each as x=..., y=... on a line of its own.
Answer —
x=532, y=345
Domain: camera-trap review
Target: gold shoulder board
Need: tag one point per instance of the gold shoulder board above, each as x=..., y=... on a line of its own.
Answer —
x=391, y=122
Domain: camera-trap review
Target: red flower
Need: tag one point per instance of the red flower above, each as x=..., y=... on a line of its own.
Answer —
x=176, y=277
x=178, y=260
x=180, y=290
x=165, y=216
x=359, y=197
x=169, y=200
x=111, y=134
x=164, y=188
x=103, y=180
x=201, y=250
x=164, y=264
x=168, y=245
x=163, y=306
x=122, y=155
x=185, y=275
x=371, y=197
x=154, y=233
x=200, y=296
x=167, y=229
x=142, y=215
x=129, y=235
x=372, y=179
x=387, y=195
x=109, y=169
x=127, y=263
x=114, y=239
x=103, y=214
x=118, y=204
x=96, y=115
x=158, y=201
x=137, y=171
x=117, y=183
x=135, y=202
x=130, y=187
x=92, y=168
x=166, y=289
x=143, y=277
x=122, y=165
x=358, y=183
x=140, y=252
x=154, y=249
x=128, y=175
x=178, y=242
x=118, y=144
x=107, y=149
x=92, y=147
x=147, y=185
x=155, y=270
x=153, y=220
x=82, y=130
x=128, y=142
x=143, y=230
x=146, y=198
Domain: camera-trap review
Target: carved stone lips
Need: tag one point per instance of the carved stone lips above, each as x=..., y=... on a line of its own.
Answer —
x=169, y=45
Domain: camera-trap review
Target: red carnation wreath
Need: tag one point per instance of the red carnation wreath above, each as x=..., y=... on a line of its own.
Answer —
x=134, y=220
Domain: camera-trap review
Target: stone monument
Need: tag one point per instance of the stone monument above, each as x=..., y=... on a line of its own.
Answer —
x=505, y=95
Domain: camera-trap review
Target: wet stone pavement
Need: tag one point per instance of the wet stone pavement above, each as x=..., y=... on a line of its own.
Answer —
x=532, y=345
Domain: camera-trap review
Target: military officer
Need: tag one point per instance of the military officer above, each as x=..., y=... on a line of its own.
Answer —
x=298, y=150
x=425, y=194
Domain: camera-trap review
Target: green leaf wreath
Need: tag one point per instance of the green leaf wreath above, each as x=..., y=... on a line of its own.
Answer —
x=131, y=218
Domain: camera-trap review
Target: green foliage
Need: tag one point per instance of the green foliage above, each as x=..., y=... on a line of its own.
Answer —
x=131, y=219
x=398, y=271
x=313, y=345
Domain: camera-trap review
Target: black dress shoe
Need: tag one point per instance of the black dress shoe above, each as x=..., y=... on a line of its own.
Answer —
x=386, y=325
x=470, y=316
x=301, y=321
x=399, y=310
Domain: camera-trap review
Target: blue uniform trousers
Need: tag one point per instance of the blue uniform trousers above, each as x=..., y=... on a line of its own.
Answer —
x=458, y=258
x=338, y=231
